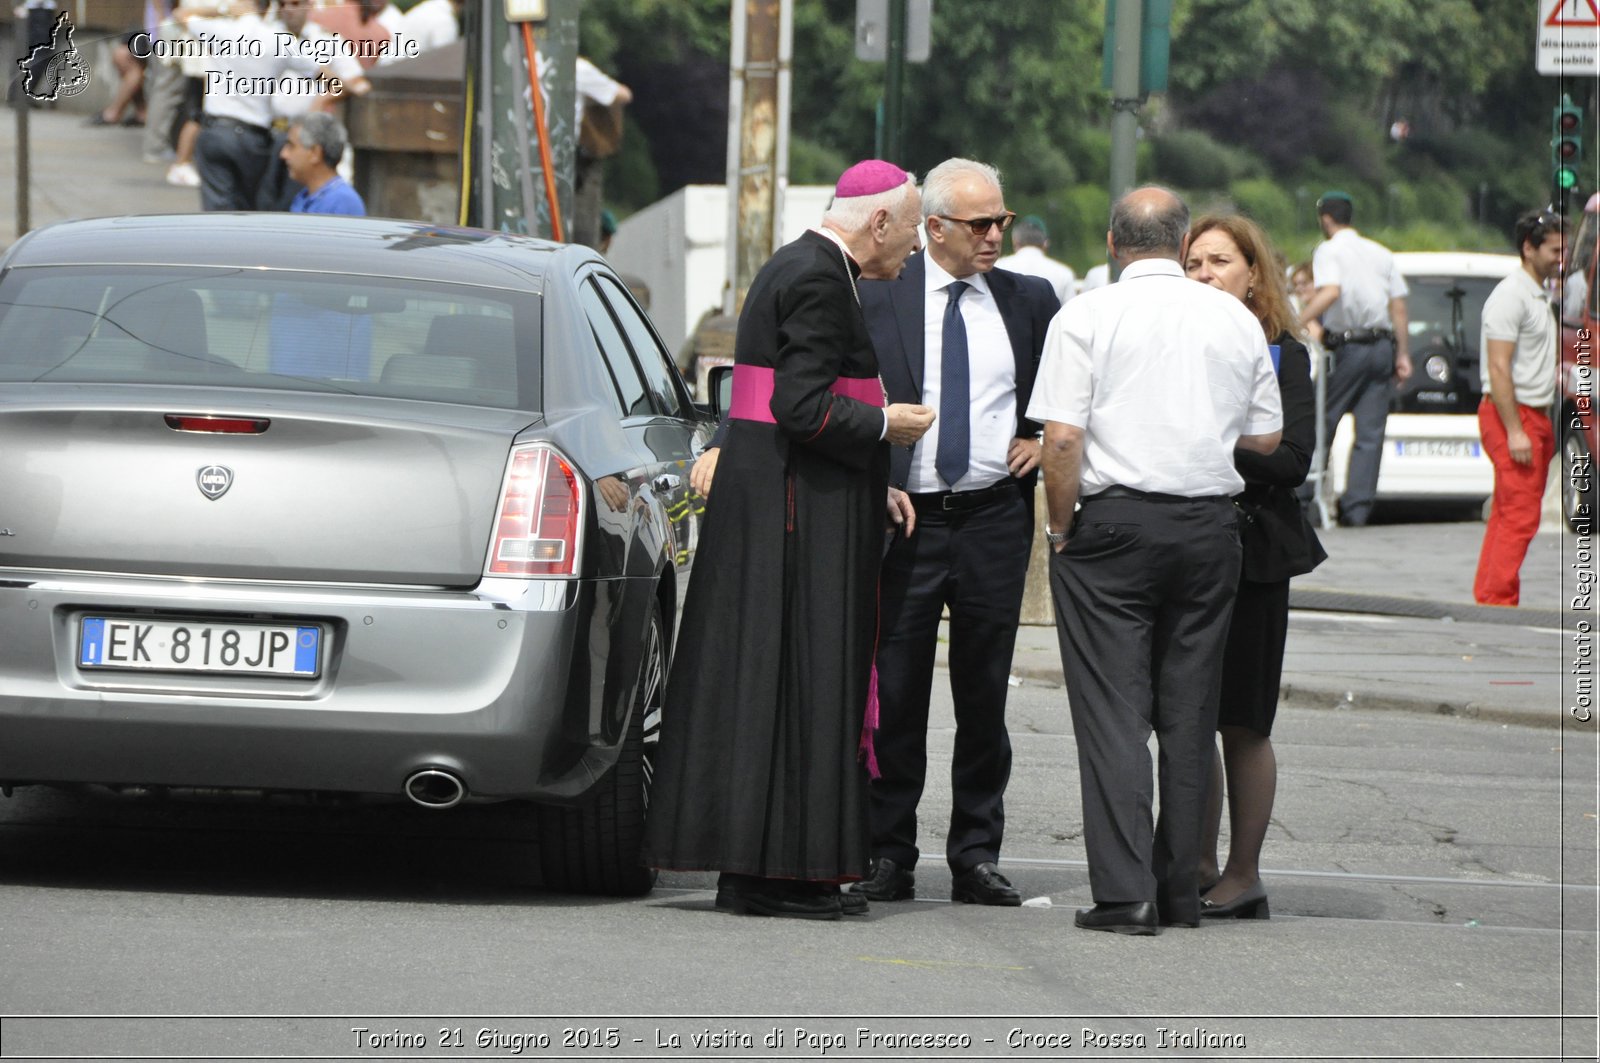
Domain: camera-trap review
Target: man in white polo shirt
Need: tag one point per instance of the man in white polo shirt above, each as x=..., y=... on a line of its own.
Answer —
x=1361, y=298
x=1518, y=358
x=1145, y=388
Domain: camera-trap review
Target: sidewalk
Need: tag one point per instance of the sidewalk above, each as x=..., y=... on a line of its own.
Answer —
x=1388, y=621
x=82, y=171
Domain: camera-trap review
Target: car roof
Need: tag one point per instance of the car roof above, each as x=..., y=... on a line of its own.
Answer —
x=1455, y=264
x=377, y=247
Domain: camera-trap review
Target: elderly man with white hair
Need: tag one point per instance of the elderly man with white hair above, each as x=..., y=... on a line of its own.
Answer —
x=762, y=769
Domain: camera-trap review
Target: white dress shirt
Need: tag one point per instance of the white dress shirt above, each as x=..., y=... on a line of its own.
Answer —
x=1367, y=277
x=992, y=390
x=244, y=49
x=1035, y=263
x=1163, y=374
x=295, y=95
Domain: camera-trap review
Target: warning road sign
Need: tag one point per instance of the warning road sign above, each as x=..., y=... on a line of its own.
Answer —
x=1569, y=38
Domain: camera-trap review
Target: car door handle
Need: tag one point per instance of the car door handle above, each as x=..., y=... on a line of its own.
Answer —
x=667, y=482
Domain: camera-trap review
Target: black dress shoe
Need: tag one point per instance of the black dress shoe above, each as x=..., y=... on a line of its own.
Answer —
x=889, y=882
x=984, y=884
x=779, y=898
x=1137, y=918
x=1251, y=904
x=852, y=903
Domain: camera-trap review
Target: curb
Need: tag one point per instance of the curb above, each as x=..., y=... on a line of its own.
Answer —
x=1303, y=695
x=1327, y=601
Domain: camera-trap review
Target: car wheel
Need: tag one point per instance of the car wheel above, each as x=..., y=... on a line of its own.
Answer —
x=594, y=847
x=1578, y=495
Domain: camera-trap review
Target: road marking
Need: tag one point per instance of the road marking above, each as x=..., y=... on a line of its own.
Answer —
x=934, y=965
x=1351, y=875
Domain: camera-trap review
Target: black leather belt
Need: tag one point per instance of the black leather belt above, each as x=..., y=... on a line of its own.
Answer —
x=955, y=501
x=1118, y=491
x=1334, y=340
x=222, y=119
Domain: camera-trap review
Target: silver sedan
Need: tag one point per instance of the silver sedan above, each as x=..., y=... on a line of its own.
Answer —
x=321, y=505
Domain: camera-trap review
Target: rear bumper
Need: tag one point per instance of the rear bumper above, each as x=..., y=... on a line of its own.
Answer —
x=1409, y=471
x=507, y=686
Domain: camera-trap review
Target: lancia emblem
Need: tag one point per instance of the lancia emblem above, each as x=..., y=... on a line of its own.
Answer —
x=214, y=480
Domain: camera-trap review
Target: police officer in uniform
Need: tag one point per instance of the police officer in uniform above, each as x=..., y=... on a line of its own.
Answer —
x=1361, y=298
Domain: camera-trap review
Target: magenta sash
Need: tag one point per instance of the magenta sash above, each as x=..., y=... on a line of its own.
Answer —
x=752, y=392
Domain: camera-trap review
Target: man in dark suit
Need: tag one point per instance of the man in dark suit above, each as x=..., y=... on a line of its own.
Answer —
x=964, y=338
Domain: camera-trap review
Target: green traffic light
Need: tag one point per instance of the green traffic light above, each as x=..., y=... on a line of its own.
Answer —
x=1566, y=178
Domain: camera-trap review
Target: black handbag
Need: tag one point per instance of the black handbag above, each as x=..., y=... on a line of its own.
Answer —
x=1278, y=541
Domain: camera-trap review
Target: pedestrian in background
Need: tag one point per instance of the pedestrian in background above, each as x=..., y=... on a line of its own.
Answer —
x=312, y=149
x=759, y=774
x=299, y=96
x=1233, y=255
x=163, y=87
x=598, y=125
x=234, y=147
x=957, y=335
x=1145, y=388
x=1361, y=298
x=1517, y=351
x=1030, y=242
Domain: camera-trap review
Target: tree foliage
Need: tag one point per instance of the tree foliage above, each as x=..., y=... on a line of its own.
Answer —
x=1292, y=92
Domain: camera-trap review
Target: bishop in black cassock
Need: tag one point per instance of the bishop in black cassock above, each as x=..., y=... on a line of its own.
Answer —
x=760, y=772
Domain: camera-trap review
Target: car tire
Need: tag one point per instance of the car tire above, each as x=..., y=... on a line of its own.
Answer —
x=594, y=847
x=1577, y=478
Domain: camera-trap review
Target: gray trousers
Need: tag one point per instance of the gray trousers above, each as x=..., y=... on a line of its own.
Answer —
x=1359, y=384
x=1144, y=594
x=163, y=96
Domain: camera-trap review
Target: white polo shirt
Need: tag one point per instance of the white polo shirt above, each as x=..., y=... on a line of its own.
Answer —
x=1367, y=277
x=1163, y=374
x=1034, y=262
x=246, y=49
x=992, y=390
x=1518, y=310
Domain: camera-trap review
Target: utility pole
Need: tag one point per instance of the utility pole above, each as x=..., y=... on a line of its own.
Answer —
x=1125, y=65
x=892, y=135
x=758, y=139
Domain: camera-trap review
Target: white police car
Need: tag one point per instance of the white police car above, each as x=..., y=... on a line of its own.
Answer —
x=1431, y=448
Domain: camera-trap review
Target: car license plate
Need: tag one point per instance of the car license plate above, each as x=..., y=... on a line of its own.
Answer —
x=199, y=646
x=1437, y=448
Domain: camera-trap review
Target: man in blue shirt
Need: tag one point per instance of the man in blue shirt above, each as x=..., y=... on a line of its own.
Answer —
x=314, y=147
x=310, y=340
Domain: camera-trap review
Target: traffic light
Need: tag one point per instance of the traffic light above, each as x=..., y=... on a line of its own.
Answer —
x=1566, y=144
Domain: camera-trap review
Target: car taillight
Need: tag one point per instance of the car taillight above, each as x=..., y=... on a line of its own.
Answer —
x=538, y=525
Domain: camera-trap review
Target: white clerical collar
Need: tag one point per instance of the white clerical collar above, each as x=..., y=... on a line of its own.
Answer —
x=821, y=230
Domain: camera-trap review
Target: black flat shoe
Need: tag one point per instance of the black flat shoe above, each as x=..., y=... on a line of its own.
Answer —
x=1251, y=904
x=984, y=884
x=1137, y=918
x=889, y=882
x=777, y=898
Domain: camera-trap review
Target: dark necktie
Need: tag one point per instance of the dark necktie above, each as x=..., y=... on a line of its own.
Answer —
x=955, y=393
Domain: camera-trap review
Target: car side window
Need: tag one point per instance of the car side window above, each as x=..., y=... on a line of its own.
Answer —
x=660, y=373
x=614, y=349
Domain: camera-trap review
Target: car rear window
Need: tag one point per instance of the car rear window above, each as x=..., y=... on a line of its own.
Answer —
x=299, y=331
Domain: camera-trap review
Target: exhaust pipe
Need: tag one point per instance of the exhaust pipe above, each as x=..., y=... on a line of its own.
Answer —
x=432, y=788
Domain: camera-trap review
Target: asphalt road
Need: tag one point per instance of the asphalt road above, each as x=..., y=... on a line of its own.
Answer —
x=1432, y=883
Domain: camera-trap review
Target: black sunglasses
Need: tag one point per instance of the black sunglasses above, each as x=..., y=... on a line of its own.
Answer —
x=981, y=226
